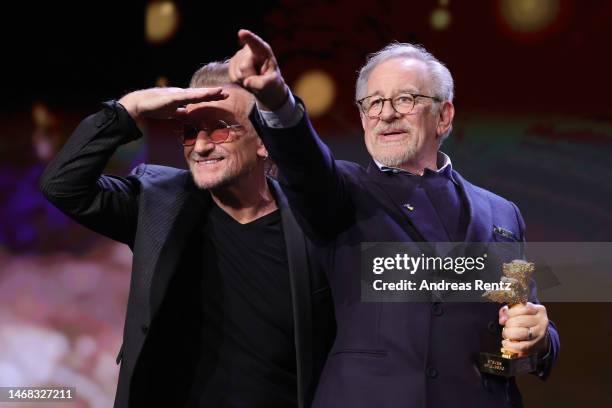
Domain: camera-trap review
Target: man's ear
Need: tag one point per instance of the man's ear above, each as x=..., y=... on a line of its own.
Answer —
x=445, y=117
x=262, y=152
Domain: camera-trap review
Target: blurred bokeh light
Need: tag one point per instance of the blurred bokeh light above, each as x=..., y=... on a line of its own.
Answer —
x=440, y=18
x=318, y=91
x=161, y=21
x=529, y=16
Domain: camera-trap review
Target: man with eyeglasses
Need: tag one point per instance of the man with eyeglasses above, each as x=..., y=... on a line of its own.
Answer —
x=228, y=306
x=419, y=354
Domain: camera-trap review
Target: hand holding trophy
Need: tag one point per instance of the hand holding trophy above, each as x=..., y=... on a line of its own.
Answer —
x=508, y=363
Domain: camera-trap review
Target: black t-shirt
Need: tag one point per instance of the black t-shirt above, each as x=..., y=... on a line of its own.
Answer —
x=248, y=349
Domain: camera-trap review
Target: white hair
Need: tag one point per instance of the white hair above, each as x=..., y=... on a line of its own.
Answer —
x=441, y=78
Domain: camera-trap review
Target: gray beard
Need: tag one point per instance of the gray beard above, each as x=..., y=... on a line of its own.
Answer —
x=225, y=180
x=397, y=159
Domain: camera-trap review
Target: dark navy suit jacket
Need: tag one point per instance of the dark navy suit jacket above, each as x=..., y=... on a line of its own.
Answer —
x=392, y=354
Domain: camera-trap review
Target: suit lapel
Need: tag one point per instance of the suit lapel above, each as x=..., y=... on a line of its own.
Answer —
x=374, y=182
x=191, y=205
x=479, y=210
x=299, y=279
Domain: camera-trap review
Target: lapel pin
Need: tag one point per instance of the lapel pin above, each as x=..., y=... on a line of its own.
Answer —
x=408, y=207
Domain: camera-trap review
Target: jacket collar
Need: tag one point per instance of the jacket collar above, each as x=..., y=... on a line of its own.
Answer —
x=445, y=167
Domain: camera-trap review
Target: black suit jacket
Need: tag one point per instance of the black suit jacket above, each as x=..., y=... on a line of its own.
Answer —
x=153, y=211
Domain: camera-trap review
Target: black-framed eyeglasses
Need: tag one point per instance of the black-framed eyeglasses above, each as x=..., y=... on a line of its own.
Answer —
x=220, y=133
x=404, y=103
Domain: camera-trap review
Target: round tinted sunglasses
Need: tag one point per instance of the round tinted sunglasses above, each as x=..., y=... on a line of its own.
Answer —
x=220, y=133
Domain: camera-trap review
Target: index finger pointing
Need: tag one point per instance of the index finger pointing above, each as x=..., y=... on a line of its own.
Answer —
x=257, y=45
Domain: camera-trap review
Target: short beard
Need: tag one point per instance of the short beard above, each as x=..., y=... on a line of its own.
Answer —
x=396, y=159
x=223, y=180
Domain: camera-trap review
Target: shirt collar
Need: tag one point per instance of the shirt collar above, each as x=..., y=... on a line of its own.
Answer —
x=445, y=167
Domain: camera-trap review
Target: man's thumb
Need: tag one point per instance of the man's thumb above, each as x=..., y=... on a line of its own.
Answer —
x=255, y=83
x=503, y=315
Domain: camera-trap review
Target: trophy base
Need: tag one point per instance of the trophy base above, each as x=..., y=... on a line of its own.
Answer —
x=507, y=367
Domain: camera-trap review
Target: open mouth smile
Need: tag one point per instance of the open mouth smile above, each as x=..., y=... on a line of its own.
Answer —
x=208, y=161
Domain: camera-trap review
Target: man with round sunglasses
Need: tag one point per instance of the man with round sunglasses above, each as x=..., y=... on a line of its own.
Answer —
x=228, y=306
x=396, y=354
x=219, y=133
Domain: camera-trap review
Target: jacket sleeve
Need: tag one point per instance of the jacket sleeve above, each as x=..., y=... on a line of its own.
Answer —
x=315, y=187
x=546, y=362
x=74, y=183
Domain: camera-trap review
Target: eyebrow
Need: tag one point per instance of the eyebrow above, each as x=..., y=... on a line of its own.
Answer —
x=404, y=90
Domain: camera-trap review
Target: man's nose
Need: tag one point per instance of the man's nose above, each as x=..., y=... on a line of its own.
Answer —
x=388, y=113
x=203, y=143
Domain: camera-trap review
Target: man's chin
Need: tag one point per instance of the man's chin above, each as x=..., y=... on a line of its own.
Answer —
x=209, y=180
x=395, y=159
x=218, y=178
x=209, y=184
